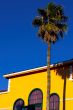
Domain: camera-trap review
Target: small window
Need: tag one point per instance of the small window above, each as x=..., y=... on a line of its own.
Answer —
x=71, y=72
x=18, y=105
x=54, y=102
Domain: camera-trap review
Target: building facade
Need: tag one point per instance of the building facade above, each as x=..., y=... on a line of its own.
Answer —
x=27, y=89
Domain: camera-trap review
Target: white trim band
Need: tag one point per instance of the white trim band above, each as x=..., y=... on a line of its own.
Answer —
x=67, y=99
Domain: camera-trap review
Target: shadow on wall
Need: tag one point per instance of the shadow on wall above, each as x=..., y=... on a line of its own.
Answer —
x=64, y=73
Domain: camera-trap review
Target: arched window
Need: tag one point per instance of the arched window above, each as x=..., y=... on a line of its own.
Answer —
x=35, y=99
x=54, y=102
x=18, y=105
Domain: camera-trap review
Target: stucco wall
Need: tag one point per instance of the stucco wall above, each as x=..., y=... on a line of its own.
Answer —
x=20, y=87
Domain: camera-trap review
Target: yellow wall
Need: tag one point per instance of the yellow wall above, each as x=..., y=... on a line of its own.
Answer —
x=61, y=86
x=20, y=87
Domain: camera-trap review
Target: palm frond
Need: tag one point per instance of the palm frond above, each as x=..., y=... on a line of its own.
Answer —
x=62, y=27
x=41, y=31
x=61, y=34
x=64, y=18
x=51, y=9
x=37, y=21
x=51, y=6
x=54, y=36
x=59, y=10
x=43, y=12
x=51, y=27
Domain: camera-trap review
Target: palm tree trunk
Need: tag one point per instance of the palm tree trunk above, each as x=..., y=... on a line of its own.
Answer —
x=48, y=78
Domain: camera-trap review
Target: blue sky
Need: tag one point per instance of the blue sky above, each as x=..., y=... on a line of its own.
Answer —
x=20, y=47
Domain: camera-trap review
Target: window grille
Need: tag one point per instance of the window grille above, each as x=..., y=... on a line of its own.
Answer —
x=35, y=99
x=54, y=102
x=18, y=105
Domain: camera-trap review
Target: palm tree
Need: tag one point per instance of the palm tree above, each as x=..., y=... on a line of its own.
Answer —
x=51, y=23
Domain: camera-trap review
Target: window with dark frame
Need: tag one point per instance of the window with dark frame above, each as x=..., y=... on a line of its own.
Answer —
x=54, y=102
x=35, y=99
x=18, y=105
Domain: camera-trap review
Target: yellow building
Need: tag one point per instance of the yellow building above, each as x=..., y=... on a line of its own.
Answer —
x=27, y=89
